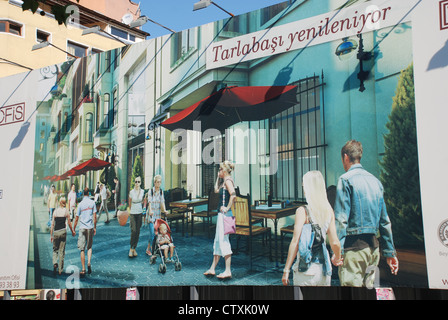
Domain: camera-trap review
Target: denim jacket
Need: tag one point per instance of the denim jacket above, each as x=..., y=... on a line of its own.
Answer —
x=360, y=208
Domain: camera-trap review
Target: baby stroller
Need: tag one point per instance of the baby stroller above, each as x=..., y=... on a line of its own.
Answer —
x=157, y=250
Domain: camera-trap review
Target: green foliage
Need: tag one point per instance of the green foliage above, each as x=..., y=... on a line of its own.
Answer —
x=137, y=171
x=107, y=177
x=59, y=11
x=76, y=182
x=400, y=172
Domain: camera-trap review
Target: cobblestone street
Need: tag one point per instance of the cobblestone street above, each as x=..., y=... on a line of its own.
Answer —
x=111, y=266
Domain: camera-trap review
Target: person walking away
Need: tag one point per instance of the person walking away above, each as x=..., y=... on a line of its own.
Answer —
x=86, y=216
x=319, y=211
x=221, y=245
x=135, y=216
x=360, y=213
x=51, y=204
x=58, y=234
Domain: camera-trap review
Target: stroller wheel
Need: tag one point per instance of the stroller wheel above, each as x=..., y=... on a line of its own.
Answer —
x=153, y=259
x=178, y=266
x=162, y=268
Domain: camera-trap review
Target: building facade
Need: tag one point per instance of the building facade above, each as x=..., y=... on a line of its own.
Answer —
x=21, y=30
x=131, y=91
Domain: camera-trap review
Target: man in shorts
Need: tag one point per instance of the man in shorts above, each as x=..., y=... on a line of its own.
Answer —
x=86, y=215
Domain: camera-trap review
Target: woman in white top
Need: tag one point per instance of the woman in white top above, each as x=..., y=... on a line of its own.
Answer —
x=322, y=214
x=135, y=217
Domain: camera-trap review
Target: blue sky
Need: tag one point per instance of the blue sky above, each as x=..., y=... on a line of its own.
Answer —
x=179, y=15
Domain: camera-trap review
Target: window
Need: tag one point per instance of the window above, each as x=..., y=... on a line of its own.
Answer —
x=181, y=43
x=236, y=25
x=98, y=105
x=270, y=12
x=101, y=123
x=106, y=112
x=116, y=58
x=89, y=127
x=119, y=33
x=76, y=49
x=115, y=104
x=107, y=55
x=75, y=150
x=122, y=34
x=42, y=36
x=10, y=27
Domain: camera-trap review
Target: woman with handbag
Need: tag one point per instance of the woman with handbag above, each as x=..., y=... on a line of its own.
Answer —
x=317, y=214
x=221, y=245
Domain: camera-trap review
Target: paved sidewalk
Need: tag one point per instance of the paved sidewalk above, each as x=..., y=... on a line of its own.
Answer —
x=111, y=266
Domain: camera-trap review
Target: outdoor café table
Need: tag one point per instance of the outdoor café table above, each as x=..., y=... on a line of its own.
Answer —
x=187, y=203
x=274, y=213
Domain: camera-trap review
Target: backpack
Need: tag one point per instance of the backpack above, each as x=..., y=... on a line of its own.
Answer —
x=318, y=236
x=311, y=240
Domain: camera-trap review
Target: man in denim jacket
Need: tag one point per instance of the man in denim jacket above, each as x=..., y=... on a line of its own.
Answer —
x=360, y=214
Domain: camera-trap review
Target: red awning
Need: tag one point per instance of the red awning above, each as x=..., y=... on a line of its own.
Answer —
x=89, y=165
x=231, y=105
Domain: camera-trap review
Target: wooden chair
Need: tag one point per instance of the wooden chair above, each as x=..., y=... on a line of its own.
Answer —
x=254, y=220
x=207, y=215
x=176, y=214
x=244, y=227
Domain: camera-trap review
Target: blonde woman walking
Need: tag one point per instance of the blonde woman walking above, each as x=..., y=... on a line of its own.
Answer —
x=221, y=245
x=318, y=210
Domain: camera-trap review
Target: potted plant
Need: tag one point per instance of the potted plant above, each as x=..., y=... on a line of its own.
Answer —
x=123, y=213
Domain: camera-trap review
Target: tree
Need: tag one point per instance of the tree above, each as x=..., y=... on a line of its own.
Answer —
x=76, y=183
x=399, y=166
x=137, y=171
x=59, y=11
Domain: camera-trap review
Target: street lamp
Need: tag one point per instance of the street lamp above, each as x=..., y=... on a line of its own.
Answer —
x=46, y=44
x=143, y=19
x=98, y=30
x=205, y=3
x=346, y=50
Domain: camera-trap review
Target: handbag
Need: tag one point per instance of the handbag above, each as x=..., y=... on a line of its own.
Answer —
x=229, y=224
x=228, y=221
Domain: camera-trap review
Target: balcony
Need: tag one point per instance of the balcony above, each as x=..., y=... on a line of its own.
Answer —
x=102, y=138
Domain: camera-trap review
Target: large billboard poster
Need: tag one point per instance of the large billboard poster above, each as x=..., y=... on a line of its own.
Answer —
x=110, y=162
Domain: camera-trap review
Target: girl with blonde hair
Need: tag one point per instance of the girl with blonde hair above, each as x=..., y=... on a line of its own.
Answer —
x=319, y=211
x=221, y=244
